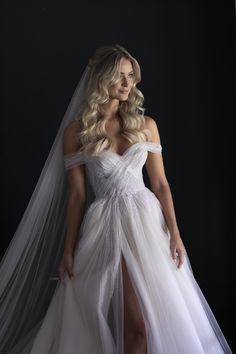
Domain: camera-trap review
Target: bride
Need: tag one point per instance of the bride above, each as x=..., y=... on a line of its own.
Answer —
x=125, y=282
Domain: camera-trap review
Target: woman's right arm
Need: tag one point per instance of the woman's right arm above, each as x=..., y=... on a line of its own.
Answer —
x=76, y=201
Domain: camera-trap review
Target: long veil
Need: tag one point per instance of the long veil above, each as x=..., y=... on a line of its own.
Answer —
x=30, y=263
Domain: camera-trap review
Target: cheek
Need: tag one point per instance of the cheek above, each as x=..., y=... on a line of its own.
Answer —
x=113, y=89
x=131, y=83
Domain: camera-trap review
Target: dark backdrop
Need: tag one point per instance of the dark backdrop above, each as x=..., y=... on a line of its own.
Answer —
x=185, y=49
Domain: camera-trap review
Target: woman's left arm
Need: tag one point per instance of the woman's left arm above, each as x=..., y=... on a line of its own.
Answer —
x=161, y=189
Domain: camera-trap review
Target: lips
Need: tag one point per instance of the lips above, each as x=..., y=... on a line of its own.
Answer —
x=124, y=91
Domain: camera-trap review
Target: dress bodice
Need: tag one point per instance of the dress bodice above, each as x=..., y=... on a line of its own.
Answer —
x=111, y=174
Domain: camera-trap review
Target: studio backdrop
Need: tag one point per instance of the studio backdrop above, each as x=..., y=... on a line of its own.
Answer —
x=185, y=50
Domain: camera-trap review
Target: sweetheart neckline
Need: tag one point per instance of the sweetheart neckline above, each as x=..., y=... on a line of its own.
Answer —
x=115, y=153
x=128, y=149
x=120, y=155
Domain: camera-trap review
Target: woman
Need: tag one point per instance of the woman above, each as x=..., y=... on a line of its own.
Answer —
x=126, y=286
x=113, y=134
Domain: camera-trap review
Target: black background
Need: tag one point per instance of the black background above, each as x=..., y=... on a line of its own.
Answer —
x=185, y=49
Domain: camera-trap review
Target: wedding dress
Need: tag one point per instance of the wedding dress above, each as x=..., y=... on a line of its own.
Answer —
x=85, y=315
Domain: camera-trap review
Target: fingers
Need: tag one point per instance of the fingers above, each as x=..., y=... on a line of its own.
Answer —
x=69, y=269
x=177, y=255
x=177, y=251
x=173, y=253
x=70, y=272
x=62, y=271
x=180, y=258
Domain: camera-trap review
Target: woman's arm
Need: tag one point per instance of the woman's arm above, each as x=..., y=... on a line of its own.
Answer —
x=76, y=201
x=160, y=187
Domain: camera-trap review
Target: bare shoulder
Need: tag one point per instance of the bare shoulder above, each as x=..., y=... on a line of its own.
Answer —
x=70, y=137
x=151, y=125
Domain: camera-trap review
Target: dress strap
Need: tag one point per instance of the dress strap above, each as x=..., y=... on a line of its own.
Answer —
x=74, y=160
x=153, y=147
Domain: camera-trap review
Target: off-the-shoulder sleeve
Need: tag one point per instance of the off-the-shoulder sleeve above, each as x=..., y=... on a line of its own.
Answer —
x=153, y=147
x=71, y=161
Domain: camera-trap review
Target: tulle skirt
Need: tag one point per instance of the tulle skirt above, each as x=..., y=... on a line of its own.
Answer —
x=86, y=313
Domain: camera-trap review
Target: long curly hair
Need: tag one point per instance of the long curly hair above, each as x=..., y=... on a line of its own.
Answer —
x=104, y=66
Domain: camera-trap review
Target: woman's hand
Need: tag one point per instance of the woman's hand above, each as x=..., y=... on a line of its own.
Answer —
x=66, y=265
x=177, y=250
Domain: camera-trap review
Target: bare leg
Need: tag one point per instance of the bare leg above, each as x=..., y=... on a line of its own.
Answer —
x=135, y=341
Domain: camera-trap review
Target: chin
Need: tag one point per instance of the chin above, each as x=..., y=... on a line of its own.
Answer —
x=123, y=98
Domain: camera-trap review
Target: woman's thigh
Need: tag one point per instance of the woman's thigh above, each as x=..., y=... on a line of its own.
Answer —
x=133, y=318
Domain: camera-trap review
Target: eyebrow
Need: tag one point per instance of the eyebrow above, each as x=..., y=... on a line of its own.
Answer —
x=129, y=72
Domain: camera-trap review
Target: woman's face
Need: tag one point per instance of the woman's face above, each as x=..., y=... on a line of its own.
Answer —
x=122, y=89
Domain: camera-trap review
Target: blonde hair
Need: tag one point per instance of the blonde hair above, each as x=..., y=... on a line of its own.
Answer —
x=104, y=66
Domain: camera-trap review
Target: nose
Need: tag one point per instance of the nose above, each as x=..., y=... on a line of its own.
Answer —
x=125, y=82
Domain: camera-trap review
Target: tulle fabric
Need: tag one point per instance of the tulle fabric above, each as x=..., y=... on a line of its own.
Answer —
x=125, y=220
x=31, y=260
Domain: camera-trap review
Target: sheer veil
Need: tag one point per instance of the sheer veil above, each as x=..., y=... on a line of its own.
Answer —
x=29, y=266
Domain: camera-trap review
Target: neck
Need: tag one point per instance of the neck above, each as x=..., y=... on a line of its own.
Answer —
x=111, y=108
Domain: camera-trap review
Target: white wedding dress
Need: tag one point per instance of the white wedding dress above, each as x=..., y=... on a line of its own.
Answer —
x=85, y=315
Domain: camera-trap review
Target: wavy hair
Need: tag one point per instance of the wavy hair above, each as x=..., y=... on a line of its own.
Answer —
x=105, y=66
